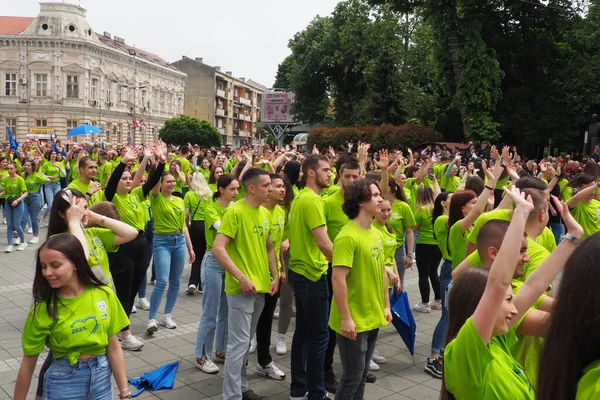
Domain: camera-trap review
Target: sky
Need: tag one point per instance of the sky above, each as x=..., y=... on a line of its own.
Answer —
x=246, y=37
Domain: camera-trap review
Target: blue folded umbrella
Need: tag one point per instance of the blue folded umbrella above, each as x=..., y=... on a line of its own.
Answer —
x=85, y=130
x=403, y=320
x=160, y=378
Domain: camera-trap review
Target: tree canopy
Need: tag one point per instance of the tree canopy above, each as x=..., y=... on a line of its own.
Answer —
x=183, y=129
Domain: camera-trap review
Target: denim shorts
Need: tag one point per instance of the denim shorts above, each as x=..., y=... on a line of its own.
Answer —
x=87, y=379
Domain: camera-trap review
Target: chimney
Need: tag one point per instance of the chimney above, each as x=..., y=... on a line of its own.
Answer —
x=199, y=59
x=218, y=68
x=229, y=73
x=242, y=79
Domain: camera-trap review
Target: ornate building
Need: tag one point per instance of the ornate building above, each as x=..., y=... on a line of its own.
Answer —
x=58, y=73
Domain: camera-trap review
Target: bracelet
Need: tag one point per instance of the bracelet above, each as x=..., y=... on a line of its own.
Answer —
x=125, y=396
x=487, y=187
x=88, y=194
x=103, y=220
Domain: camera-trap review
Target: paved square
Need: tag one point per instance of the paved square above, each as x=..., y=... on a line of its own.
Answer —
x=397, y=379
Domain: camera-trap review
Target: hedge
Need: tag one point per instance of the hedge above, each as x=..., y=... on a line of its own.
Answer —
x=380, y=137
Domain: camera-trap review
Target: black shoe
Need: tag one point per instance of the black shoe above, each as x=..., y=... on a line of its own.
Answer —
x=250, y=395
x=371, y=378
x=434, y=368
x=331, y=383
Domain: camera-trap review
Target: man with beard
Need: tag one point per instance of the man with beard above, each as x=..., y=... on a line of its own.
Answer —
x=310, y=252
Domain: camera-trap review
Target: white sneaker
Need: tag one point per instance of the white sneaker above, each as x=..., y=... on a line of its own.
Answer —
x=9, y=249
x=435, y=305
x=16, y=241
x=206, y=365
x=151, y=327
x=373, y=366
x=378, y=358
x=424, y=308
x=270, y=371
x=142, y=303
x=30, y=231
x=168, y=322
x=133, y=310
x=276, y=313
x=191, y=289
x=34, y=240
x=22, y=246
x=3, y=221
x=44, y=206
x=132, y=343
x=280, y=345
x=252, y=345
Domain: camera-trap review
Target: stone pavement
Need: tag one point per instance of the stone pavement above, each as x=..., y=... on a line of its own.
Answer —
x=397, y=379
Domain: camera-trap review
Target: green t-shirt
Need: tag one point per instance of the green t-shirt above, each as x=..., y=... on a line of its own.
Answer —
x=588, y=216
x=75, y=174
x=389, y=244
x=423, y=219
x=80, y=186
x=205, y=172
x=130, y=208
x=33, y=182
x=334, y=215
x=84, y=325
x=248, y=229
x=169, y=215
x=501, y=214
x=457, y=241
x=100, y=241
x=326, y=192
x=103, y=173
x=547, y=240
x=14, y=187
x=502, y=182
x=277, y=228
x=52, y=170
x=307, y=213
x=196, y=205
x=401, y=218
x=213, y=213
x=588, y=386
x=185, y=167
x=566, y=192
x=479, y=371
x=412, y=187
x=451, y=183
x=537, y=254
x=361, y=251
x=440, y=228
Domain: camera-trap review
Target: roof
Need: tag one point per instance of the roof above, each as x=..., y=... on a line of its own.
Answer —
x=14, y=25
x=139, y=52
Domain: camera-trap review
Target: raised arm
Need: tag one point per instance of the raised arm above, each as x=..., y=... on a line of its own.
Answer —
x=582, y=195
x=382, y=164
x=123, y=232
x=139, y=174
x=482, y=201
x=113, y=181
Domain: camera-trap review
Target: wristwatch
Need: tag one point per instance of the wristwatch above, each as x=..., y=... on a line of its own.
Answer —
x=570, y=238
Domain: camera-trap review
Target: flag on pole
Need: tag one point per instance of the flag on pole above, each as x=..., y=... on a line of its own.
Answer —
x=142, y=124
x=11, y=138
x=135, y=124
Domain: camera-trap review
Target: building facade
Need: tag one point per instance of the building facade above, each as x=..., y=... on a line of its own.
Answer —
x=231, y=104
x=58, y=73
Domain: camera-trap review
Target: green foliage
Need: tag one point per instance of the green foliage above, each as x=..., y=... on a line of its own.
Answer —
x=385, y=136
x=183, y=129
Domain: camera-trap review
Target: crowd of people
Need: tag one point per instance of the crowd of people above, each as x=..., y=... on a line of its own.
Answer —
x=328, y=233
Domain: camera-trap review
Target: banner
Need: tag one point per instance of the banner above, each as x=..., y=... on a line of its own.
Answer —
x=276, y=107
x=42, y=130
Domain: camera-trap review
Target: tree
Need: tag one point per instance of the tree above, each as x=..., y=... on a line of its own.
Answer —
x=284, y=70
x=183, y=129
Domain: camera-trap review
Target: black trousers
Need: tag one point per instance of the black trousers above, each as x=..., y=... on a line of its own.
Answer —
x=328, y=367
x=263, y=330
x=198, y=239
x=428, y=260
x=128, y=268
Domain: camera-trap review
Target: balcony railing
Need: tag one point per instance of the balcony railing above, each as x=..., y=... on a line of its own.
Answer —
x=222, y=131
x=241, y=133
x=220, y=112
x=245, y=101
x=220, y=93
x=248, y=118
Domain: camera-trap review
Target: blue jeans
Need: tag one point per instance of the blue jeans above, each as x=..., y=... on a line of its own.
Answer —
x=214, y=308
x=439, y=334
x=88, y=379
x=559, y=231
x=14, y=215
x=32, y=205
x=311, y=336
x=50, y=190
x=149, y=233
x=169, y=258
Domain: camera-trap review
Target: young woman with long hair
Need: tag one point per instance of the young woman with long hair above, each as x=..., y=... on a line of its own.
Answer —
x=196, y=200
x=53, y=169
x=402, y=221
x=584, y=205
x=214, y=300
x=3, y=175
x=33, y=201
x=128, y=265
x=215, y=173
x=427, y=251
x=175, y=170
x=15, y=191
x=171, y=238
x=78, y=318
x=483, y=313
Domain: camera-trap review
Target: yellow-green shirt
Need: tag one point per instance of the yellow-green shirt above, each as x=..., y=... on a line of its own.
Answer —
x=457, y=242
x=213, y=213
x=423, y=219
x=52, y=170
x=14, y=187
x=130, y=208
x=440, y=228
x=334, y=215
x=196, y=205
x=103, y=173
x=277, y=228
x=588, y=216
x=33, y=182
x=401, y=218
x=588, y=387
x=100, y=241
x=169, y=215
x=80, y=186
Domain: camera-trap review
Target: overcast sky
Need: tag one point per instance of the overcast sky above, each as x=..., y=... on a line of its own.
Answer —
x=247, y=37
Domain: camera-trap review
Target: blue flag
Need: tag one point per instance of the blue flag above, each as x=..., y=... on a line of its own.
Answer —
x=13, y=142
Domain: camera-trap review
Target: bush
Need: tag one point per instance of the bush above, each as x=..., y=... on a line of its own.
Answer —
x=183, y=130
x=380, y=137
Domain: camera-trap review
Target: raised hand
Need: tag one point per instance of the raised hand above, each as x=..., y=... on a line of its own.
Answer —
x=573, y=226
x=130, y=155
x=519, y=199
x=384, y=159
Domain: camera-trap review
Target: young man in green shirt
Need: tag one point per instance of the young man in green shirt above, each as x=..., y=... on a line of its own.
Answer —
x=360, y=296
x=85, y=184
x=244, y=248
x=310, y=252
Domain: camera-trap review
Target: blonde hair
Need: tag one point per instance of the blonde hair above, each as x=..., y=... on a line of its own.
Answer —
x=424, y=197
x=198, y=184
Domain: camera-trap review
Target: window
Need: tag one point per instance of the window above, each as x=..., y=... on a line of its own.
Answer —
x=71, y=124
x=94, y=89
x=10, y=84
x=144, y=99
x=119, y=93
x=73, y=86
x=41, y=122
x=41, y=85
x=130, y=94
x=12, y=122
x=109, y=92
